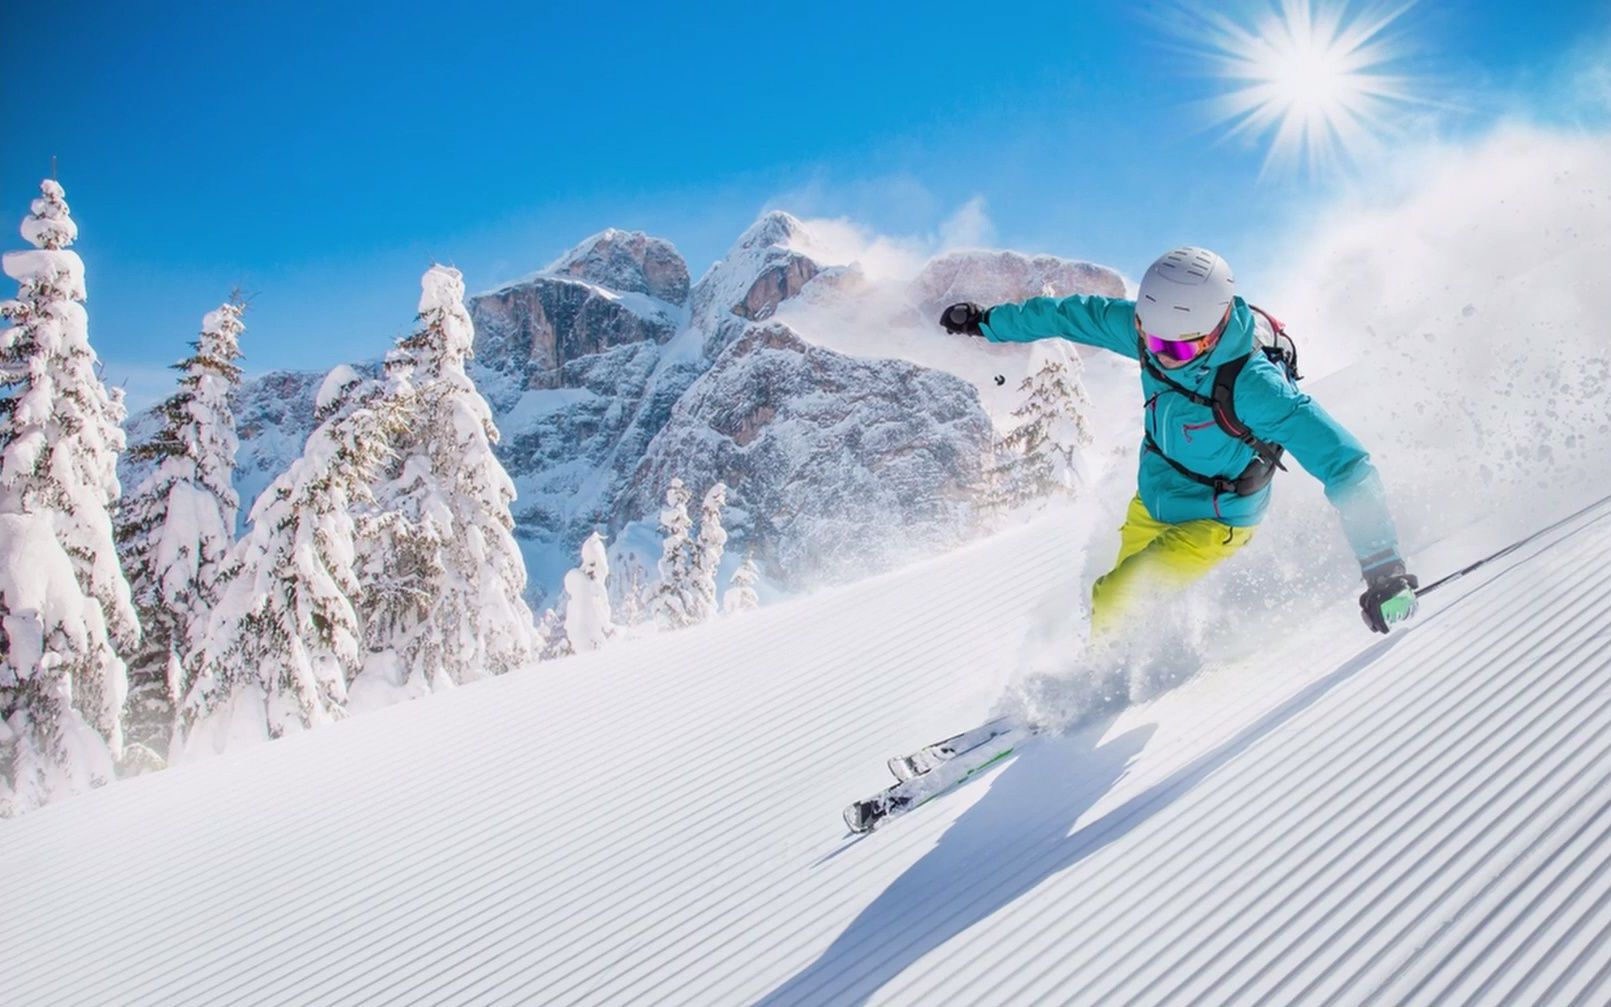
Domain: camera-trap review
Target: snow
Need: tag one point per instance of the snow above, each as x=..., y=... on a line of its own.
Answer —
x=335, y=384
x=537, y=404
x=639, y=303
x=38, y=588
x=444, y=533
x=48, y=623
x=588, y=623
x=58, y=457
x=49, y=223
x=62, y=268
x=878, y=299
x=708, y=550
x=1322, y=814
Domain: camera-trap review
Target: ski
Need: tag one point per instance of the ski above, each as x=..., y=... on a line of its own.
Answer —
x=927, y=758
x=868, y=814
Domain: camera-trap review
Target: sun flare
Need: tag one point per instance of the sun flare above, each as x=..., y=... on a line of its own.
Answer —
x=1314, y=77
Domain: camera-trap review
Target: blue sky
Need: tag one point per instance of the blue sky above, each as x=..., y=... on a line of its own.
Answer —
x=322, y=160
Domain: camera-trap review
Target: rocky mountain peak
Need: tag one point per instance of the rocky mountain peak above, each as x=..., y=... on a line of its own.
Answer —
x=765, y=267
x=990, y=276
x=775, y=227
x=628, y=262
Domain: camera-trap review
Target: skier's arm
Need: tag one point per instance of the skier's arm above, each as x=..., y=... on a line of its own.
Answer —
x=1277, y=412
x=1108, y=322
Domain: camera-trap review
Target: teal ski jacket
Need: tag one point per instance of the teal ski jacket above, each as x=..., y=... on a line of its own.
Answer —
x=1266, y=402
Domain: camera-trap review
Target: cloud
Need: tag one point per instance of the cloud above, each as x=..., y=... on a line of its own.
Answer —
x=1588, y=75
x=968, y=227
x=885, y=256
x=898, y=202
x=890, y=224
x=839, y=240
x=1471, y=300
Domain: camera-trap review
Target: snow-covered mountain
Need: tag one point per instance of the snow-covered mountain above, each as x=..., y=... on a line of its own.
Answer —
x=1316, y=818
x=825, y=455
x=609, y=372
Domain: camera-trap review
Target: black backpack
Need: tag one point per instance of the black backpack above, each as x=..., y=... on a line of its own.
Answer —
x=1280, y=350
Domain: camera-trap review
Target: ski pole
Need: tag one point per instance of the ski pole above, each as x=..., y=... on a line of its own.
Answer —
x=1507, y=550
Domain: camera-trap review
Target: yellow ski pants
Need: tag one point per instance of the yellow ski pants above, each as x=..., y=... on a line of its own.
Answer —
x=1156, y=558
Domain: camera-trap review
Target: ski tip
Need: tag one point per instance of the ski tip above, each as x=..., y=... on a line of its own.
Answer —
x=900, y=767
x=858, y=820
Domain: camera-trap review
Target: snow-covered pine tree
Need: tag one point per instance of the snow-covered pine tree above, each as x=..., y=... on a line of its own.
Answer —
x=673, y=602
x=708, y=551
x=588, y=623
x=551, y=635
x=285, y=637
x=175, y=531
x=630, y=592
x=741, y=596
x=62, y=679
x=447, y=578
x=1039, y=456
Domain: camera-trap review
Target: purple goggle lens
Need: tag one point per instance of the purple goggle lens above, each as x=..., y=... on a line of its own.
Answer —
x=1177, y=350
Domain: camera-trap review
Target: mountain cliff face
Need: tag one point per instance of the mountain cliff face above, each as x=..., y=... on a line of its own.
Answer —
x=995, y=277
x=836, y=465
x=616, y=289
x=628, y=262
x=609, y=372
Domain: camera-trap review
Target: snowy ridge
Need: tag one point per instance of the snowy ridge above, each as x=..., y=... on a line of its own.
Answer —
x=1419, y=819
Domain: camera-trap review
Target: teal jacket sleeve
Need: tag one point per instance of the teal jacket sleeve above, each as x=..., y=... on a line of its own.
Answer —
x=1108, y=322
x=1278, y=412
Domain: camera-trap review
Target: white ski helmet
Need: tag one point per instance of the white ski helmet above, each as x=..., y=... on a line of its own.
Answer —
x=1184, y=294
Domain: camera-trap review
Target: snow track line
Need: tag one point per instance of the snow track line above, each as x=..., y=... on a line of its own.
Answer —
x=1533, y=943
x=692, y=918
x=1051, y=563
x=513, y=835
x=1436, y=835
x=1122, y=819
x=852, y=668
x=1346, y=985
x=1296, y=802
x=491, y=923
x=662, y=990
x=1496, y=848
x=1452, y=757
x=1509, y=933
x=1545, y=884
x=1591, y=938
x=1598, y=979
x=1263, y=708
x=1423, y=820
x=1012, y=868
x=1111, y=925
x=1131, y=950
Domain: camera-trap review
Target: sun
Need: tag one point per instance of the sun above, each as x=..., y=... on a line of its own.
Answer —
x=1315, y=78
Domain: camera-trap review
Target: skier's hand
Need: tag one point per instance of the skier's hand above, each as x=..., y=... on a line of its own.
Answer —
x=1389, y=596
x=963, y=319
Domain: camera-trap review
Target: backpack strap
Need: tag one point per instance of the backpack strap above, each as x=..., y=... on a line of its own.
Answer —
x=1174, y=386
x=1223, y=405
x=1284, y=351
x=1219, y=484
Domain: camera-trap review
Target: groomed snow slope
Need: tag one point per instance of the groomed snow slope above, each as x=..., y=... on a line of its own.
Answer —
x=1423, y=818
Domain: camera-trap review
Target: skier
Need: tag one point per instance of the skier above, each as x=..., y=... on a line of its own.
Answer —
x=1201, y=491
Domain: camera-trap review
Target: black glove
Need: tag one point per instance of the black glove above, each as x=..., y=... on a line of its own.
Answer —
x=1389, y=596
x=963, y=318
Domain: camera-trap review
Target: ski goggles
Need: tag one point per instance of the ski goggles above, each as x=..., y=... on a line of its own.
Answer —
x=1178, y=350
x=1182, y=350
